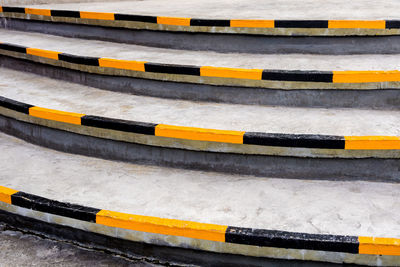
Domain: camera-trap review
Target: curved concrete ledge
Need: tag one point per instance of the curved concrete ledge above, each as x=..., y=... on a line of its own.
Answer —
x=203, y=236
x=234, y=26
x=219, y=42
x=261, y=154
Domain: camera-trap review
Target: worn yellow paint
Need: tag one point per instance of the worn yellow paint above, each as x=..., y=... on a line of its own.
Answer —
x=252, y=74
x=96, y=15
x=200, y=134
x=357, y=24
x=5, y=194
x=379, y=246
x=372, y=142
x=1, y=9
x=122, y=64
x=252, y=23
x=366, y=76
x=36, y=11
x=157, y=225
x=174, y=21
x=42, y=53
x=56, y=115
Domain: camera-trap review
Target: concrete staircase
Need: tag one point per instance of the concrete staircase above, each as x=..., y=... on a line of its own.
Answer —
x=224, y=138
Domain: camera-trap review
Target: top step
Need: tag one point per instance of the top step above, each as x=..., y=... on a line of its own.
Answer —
x=241, y=26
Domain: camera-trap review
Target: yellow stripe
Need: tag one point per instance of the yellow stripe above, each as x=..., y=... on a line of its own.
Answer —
x=35, y=11
x=55, y=115
x=42, y=53
x=5, y=194
x=357, y=24
x=1, y=9
x=379, y=246
x=156, y=225
x=366, y=76
x=122, y=64
x=199, y=134
x=174, y=21
x=372, y=142
x=252, y=74
x=97, y=15
x=252, y=23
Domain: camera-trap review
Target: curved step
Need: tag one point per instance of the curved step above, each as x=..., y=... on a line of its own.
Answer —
x=157, y=20
x=304, y=142
x=319, y=220
x=211, y=76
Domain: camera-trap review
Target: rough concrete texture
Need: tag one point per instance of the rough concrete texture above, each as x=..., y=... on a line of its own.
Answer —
x=201, y=58
x=247, y=9
x=55, y=94
x=354, y=208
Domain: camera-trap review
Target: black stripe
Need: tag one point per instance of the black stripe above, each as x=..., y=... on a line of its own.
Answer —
x=119, y=125
x=12, y=47
x=281, y=239
x=293, y=140
x=301, y=24
x=393, y=24
x=74, y=211
x=140, y=18
x=172, y=69
x=91, y=61
x=297, y=75
x=14, y=105
x=65, y=13
x=210, y=22
x=13, y=9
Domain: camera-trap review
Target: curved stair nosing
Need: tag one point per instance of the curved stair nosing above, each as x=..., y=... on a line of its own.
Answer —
x=203, y=236
x=235, y=26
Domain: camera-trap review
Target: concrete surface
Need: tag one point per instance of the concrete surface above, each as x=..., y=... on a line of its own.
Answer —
x=55, y=94
x=245, y=9
x=201, y=58
x=354, y=208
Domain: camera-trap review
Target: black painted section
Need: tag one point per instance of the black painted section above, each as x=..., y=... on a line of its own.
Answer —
x=282, y=239
x=393, y=24
x=139, y=18
x=42, y=204
x=298, y=76
x=13, y=48
x=91, y=61
x=65, y=13
x=301, y=24
x=172, y=69
x=292, y=140
x=13, y=9
x=119, y=125
x=210, y=22
x=14, y=105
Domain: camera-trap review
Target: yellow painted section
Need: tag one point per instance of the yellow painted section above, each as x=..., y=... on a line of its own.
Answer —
x=372, y=142
x=5, y=194
x=156, y=225
x=200, y=134
x=1, y=9
x=122, y=64
x=56, y=115
x=379, y=246
x=174, y=21
x=97, y=15
x=252, y=74
x=252, y=23
x=35, y=11
x=356, y=24
x=42, y=53
x=366, y=76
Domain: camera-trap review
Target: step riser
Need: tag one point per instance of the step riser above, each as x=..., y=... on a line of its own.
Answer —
x=225, y=43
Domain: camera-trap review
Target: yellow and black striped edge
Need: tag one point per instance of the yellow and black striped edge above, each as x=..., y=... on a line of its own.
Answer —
x=178, y=21
x=211, y=135
x=209, y=71
x=204, y=231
